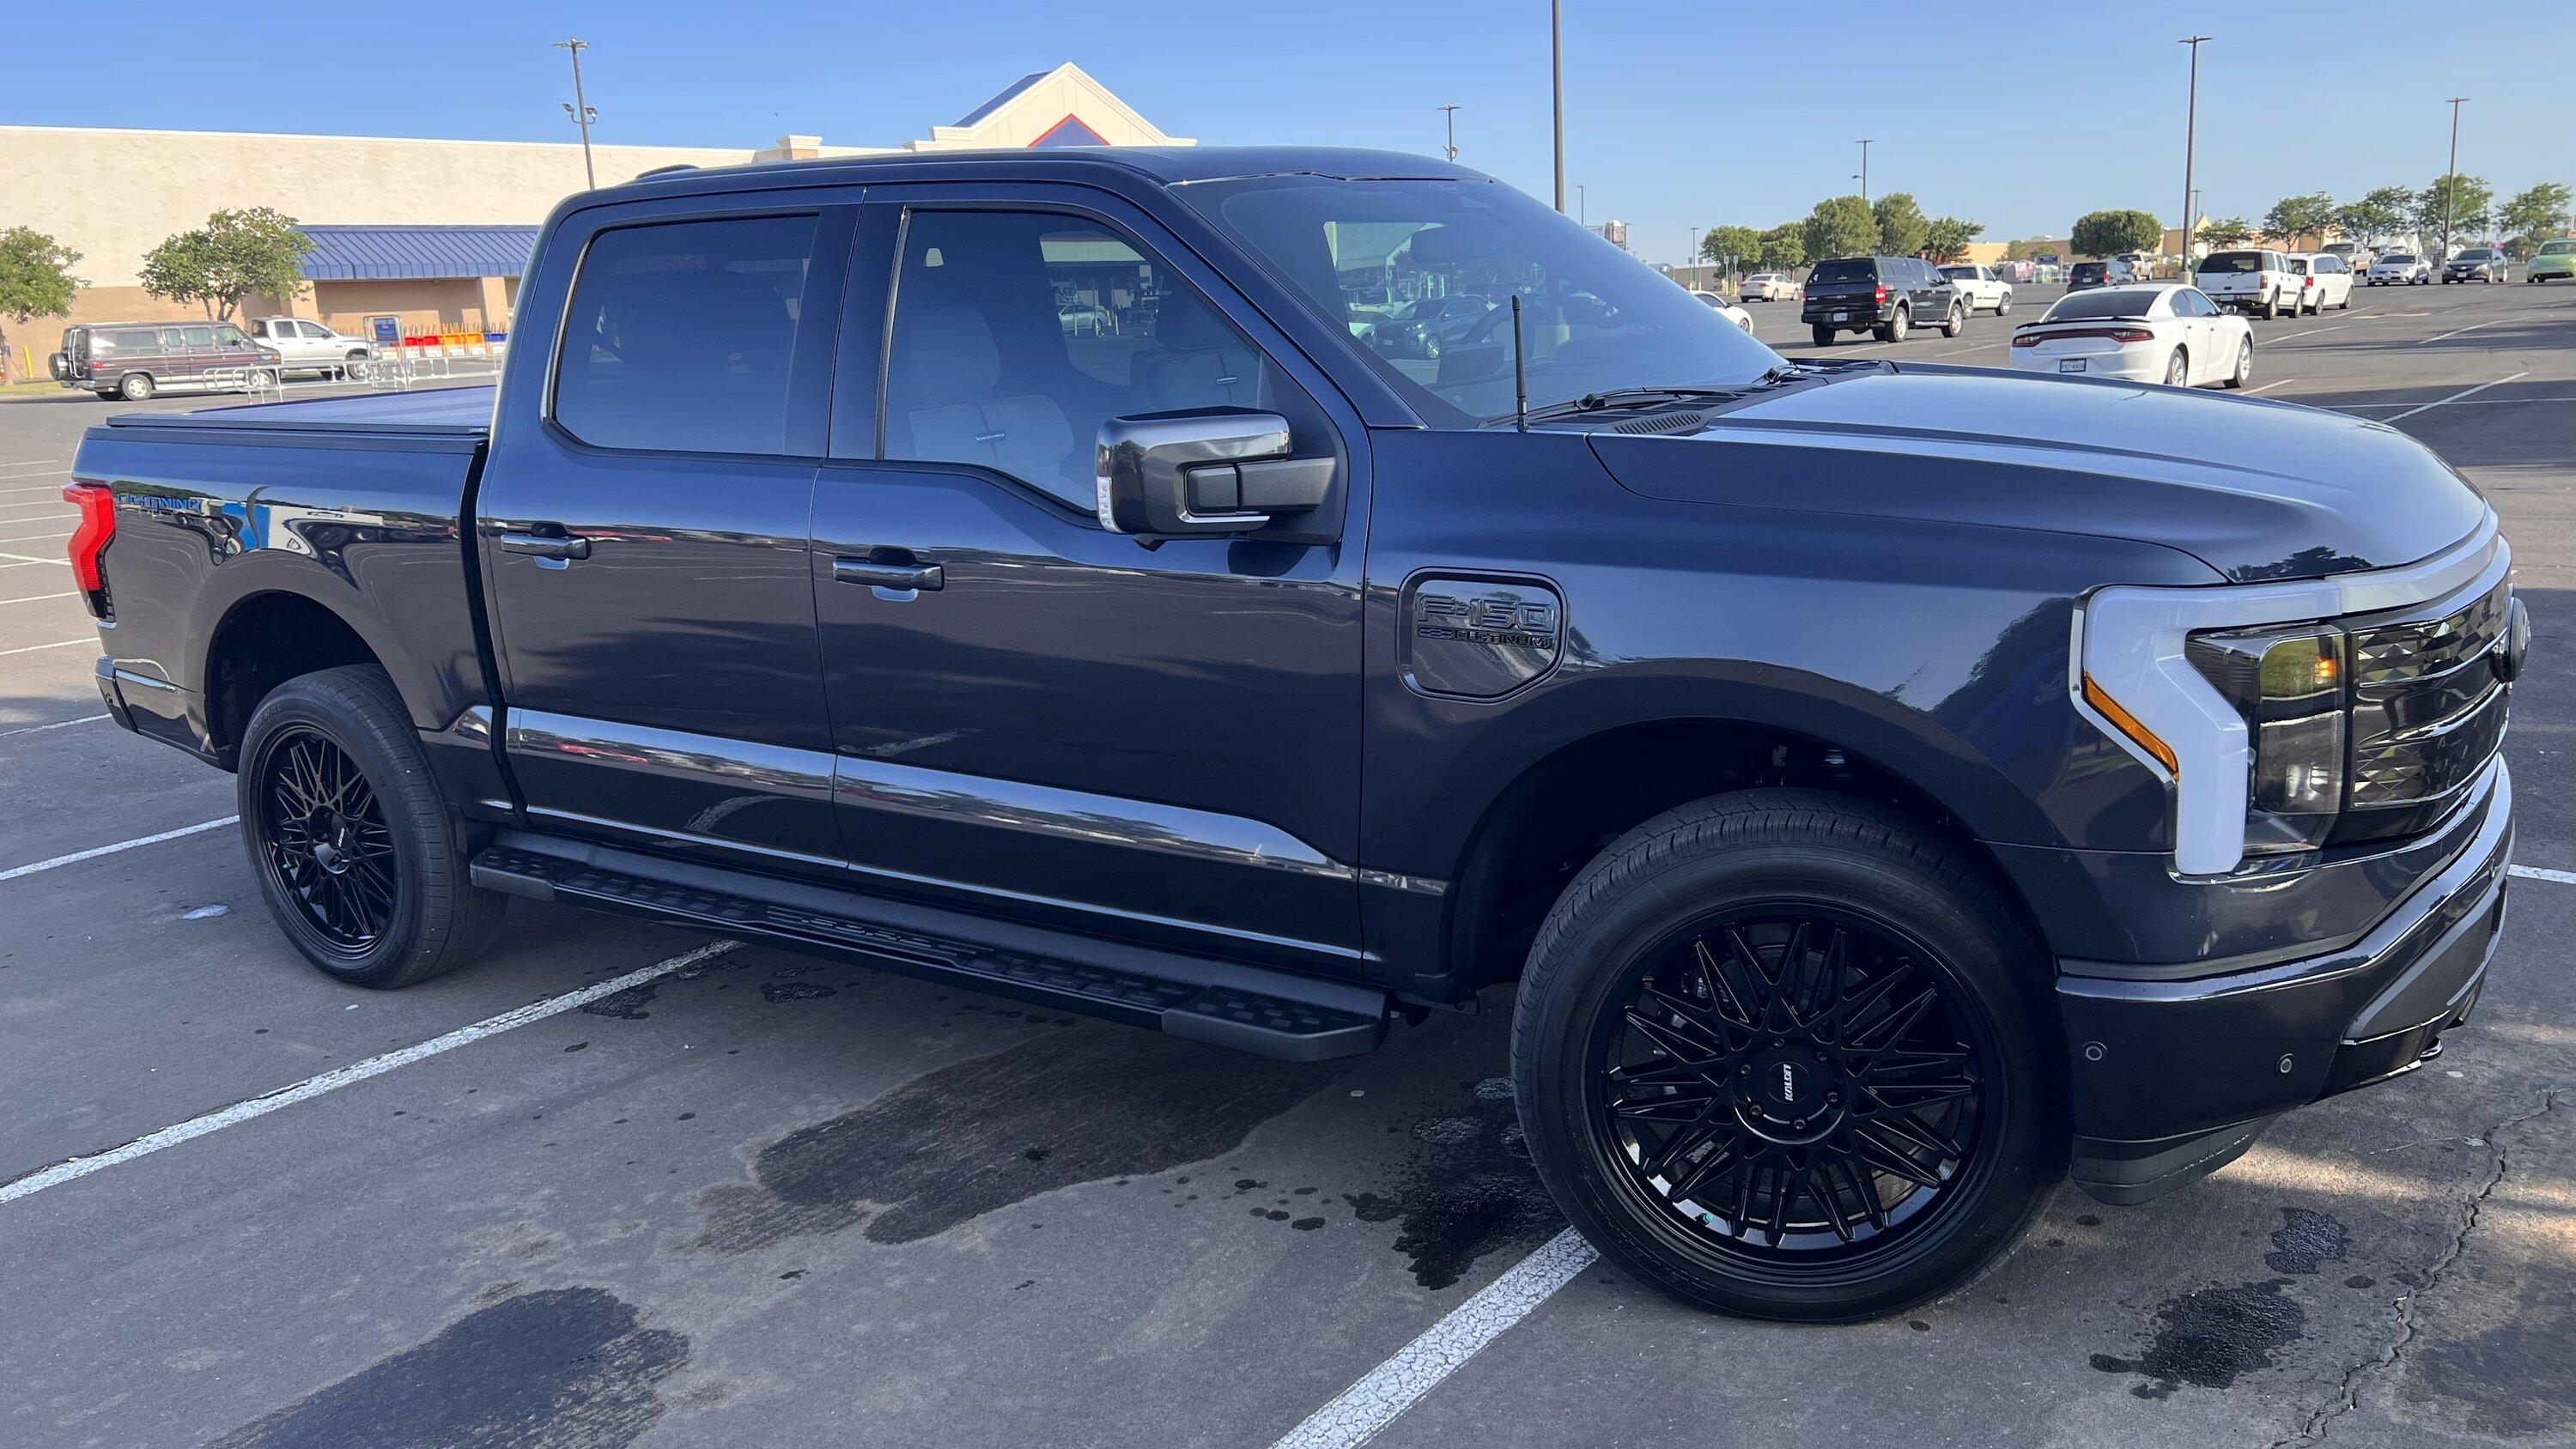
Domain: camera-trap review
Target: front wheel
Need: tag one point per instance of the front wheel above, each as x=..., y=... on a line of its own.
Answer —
x=355, y=852
x=1786, y=1054
x=2004, y=307
x=1956, y=322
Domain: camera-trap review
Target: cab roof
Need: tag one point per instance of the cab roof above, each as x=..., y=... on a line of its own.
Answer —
x=1162, y=165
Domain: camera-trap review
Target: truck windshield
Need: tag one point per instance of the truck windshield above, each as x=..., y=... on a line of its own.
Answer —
x=1593, y=318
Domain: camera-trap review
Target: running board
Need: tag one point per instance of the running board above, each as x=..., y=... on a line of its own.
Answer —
x=1272, y=1013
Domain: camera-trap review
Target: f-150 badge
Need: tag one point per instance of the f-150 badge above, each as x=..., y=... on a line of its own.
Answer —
x=1479, y=637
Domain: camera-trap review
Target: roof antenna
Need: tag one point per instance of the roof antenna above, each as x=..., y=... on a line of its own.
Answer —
x=1520, y=371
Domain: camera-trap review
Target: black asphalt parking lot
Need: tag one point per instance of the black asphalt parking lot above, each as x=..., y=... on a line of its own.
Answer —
x=761, y=1199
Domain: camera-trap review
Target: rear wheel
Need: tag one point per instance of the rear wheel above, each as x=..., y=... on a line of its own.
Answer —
x=1785, y=1054
x=1824, y=335
x=356, y=854
x=135, y=386
x=1898, y=325
x=2178, y=369
x=2271, y=306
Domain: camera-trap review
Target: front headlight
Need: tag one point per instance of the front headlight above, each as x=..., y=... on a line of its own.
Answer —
x=2289, y=686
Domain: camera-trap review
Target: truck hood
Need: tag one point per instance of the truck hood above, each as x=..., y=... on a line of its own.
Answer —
x=2255, y=489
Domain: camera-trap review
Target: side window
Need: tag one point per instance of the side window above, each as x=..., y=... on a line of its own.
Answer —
x=229, y=336
x=681, y=335
x=313, y=330
x=1016, y=335
x=201, y=338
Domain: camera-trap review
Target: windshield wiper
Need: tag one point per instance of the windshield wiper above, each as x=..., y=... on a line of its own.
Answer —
x=1630, y=397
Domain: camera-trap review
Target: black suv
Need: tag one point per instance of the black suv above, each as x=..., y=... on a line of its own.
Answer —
x=1885, y=295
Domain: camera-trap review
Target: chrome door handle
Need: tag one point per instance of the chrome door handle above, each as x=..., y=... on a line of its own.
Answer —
x=539, y=545
x=889, y=575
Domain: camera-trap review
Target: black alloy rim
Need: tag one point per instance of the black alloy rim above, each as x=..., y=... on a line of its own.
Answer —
x=323, y=836
x=1790, y=1086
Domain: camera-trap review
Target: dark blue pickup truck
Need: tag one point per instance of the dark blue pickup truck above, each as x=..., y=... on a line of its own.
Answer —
x=1890, y=786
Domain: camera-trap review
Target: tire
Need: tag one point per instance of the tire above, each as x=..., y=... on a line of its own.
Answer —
x=2244, y=370
x=1824, y=336
x=2178, y=369
x=1956, y=322
x=1905, y=918
x=2272, y=307
x=1897, y=326
x=353, y=368
x=1430, y=353
x=136, y=387
x=261, y=377
x=2004, y=307
x=382, y=898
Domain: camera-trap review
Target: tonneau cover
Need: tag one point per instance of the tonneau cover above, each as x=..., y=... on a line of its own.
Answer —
x=450, y=411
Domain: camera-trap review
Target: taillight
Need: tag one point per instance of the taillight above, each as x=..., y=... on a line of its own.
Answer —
x=2025, y=339
x=1881, y=292
x=89, y=541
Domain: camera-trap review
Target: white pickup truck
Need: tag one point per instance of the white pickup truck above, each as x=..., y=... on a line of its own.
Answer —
x=1985, y=291
x=307, y=346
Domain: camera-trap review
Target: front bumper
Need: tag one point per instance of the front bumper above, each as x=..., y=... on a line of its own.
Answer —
x=2173, y=1079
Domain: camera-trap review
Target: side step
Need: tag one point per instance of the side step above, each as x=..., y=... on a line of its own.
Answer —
x=1250, y=1008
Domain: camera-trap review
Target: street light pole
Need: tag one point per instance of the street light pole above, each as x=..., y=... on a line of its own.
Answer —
x=1864, y=168
x=2451, y=183
x=1556, y=78
x=1451, y=113
x=2190, y=143
x=579, y=107
x=1583, y=204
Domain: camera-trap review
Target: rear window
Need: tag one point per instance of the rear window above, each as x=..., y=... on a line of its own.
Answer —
x=2559, y=249
x=2400, y=258
x=2233, y=262
x=2088, y=269
x=2108, y=302
x=1960, y=274
x=2477, y=254
x=1846, y=269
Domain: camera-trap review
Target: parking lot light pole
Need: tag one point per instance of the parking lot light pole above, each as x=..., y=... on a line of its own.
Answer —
x=1556, y=81
x=1864, y=168
x=579, y=107
x=2190, y=140
x=1451, y=113
x=2451, y=182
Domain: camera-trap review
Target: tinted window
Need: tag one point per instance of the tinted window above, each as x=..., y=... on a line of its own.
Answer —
x=1017, y=335
x=680, y=337
x=1847, y=269
x=1592, y=316
x=2402, y=259
x=2104, y=302
x=198, y=336
x=2233, y=262
x=2558, y=248
x=229, y=336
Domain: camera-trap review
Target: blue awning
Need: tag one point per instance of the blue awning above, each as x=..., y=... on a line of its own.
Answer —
x=380, y=253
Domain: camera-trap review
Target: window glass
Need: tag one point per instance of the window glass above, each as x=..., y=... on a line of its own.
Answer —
x=1846, y=269
x=314, y=330
x=198, y=336
x=681, y=336
x=2558, y=248
x=1016, y=335
x=230, y=336
x=2103, y=302
x=2231, y=262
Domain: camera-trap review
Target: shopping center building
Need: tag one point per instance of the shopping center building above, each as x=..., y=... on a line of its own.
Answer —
x=432, y=232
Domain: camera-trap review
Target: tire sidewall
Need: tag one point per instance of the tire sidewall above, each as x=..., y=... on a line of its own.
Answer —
x=2020, y=1152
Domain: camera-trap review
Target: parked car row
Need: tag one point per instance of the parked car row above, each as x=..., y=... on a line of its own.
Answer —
x=2267, y=282
x=136, y=360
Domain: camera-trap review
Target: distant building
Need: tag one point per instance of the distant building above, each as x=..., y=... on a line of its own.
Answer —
x=433, y=232
x=1613, y=232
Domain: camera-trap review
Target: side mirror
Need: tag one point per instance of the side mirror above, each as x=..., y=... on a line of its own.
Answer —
x=1202, y=472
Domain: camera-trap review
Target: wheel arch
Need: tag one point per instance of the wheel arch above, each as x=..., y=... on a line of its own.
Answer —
x=264, y=636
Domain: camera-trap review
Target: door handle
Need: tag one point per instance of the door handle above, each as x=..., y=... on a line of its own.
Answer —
x=889, y=575
x=539, y=545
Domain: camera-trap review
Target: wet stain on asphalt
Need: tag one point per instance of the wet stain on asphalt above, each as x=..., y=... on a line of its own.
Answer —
x=2511, y=1379
x=626, y=1005
x=555, y=1369
x=1087, y=1103
x=1472, y=1193
x=2209, y=1338
x=2306, y=1241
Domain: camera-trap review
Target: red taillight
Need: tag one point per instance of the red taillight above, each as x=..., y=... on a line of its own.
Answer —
x=89, y=540
x=1882, y=293
x=2025, y=339
x=2069, y=334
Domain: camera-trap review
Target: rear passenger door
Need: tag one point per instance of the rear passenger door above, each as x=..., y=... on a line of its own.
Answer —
x=1032, y=715
x=643, y=528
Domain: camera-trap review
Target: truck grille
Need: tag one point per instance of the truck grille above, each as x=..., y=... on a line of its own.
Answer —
x=2428, y=712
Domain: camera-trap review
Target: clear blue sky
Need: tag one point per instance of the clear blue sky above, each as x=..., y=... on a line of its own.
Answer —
x=1678, y=115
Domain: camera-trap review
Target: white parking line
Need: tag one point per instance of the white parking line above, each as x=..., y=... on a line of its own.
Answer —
x=60, y=724
x=40, y=598
x=30, y=462
x=1385, y=1392
x=2455, y=397
x=21, y=560
x=355, y=1072
x=2533, y=872
x=64, y=532
x=55, y=489
x=2311, y=332
x=94, y=852
x=2276, y=382
x=2472, y=327
x=2483, y=402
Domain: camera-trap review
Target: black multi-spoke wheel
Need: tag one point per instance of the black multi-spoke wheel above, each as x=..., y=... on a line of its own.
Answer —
x=325, y=842
x=360, y=860
x=1791, y=1082
x=1785, y=1054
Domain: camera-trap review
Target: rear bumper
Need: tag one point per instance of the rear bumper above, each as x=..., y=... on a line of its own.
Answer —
x=2173, y=1079
x=158, y=710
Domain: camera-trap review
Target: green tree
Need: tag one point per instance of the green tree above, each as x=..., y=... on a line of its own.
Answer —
x=2025, y=249
x=2227, y=231
x=1841, y=226
x=254, y=252
x=1946, y=238
x=1733, y=246
x=2297, y=216
x=2471, y=204
x=35, y=281
x=2378, y=213
x=1900, y=224
x=1784, y=246
x=2109, y=233
x=2536, y=215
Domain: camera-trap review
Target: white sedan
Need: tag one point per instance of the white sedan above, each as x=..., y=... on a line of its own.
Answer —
x=1772, y=287
x=2160, y=332
x=1725, y=309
